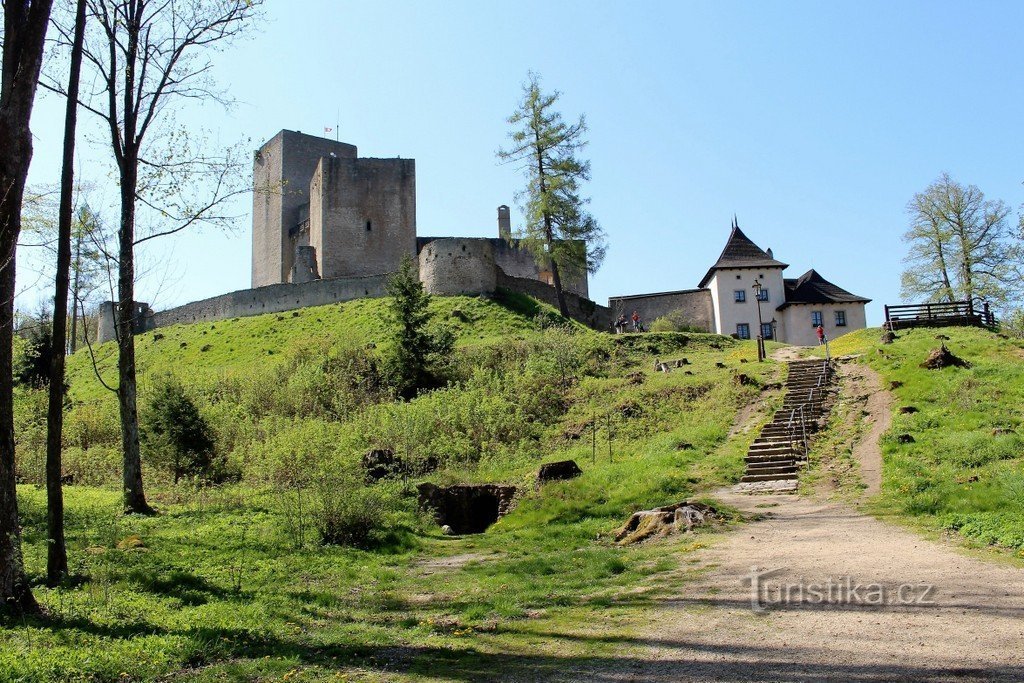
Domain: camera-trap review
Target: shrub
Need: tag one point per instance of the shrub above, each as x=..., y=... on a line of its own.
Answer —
x=175, y=435
x=676, y=321
x=352, y=514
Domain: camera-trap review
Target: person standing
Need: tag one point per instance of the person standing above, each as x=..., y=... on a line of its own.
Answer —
x=820, y=330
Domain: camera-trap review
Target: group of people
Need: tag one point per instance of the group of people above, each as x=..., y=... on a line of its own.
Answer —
x=622, y=324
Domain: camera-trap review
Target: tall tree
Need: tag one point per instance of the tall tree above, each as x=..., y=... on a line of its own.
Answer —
x=25, y=24
x=147, y=54
x=559, y=230
x=961, y=246
x=56, y=553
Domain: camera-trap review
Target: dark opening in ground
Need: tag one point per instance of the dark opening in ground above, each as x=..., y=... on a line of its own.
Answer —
x=467, y=509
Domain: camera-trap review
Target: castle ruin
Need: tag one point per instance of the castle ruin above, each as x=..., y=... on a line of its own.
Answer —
x=329, y=226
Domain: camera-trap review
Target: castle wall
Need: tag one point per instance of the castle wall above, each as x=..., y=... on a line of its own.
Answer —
x=282, y=169
x=586, y=311
x=519, y=262
x=454, y=265
x=362, y=215
x=694, y=304
x=269, y=299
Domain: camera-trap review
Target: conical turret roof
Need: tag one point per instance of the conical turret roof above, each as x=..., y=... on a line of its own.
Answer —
x=741, y=252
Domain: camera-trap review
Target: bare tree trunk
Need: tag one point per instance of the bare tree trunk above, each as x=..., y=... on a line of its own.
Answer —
x=56, y=548
x=127, y=388
x=25, y=25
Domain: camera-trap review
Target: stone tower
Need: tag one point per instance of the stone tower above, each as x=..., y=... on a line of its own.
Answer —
x=344, y=216
x=504, y=223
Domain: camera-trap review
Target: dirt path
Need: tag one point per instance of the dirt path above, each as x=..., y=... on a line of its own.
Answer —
x=924, y=610
x=865, y=384
x=970, y=626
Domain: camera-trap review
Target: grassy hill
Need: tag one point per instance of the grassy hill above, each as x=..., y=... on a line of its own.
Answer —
x=954, y=457
x=235, y=582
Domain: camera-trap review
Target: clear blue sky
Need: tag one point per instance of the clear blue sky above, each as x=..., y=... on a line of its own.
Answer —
x=814, y=122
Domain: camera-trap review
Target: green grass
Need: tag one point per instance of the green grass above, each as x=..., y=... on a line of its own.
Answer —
x=964, y=470
x=219, y=585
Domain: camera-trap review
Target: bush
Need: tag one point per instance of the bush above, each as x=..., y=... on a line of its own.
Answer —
x=676, y=321
x=352, y=514
x=175, y=435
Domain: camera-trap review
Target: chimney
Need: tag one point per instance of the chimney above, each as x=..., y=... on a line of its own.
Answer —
x=504, y=223
x=769, y=252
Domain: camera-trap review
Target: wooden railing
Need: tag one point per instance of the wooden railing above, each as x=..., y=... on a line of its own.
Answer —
x=938, y=314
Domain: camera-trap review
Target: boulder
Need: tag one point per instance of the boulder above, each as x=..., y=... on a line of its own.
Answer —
x=558, y=471
x=661, y=521
x=888, y=337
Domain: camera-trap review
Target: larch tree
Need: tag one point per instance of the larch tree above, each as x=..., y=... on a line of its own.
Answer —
x=24, y=37
x=961, y=246
x=149, y=56
x=559, y=230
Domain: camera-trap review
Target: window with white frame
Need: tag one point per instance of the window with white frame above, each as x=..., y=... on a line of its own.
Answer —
x=766, y=331
x=816, y=318
x=743, y=330
x=739, y=296
x=840, y=318
x=762, y=294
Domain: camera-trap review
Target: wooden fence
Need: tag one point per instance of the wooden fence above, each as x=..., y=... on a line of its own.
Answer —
x=944, y=314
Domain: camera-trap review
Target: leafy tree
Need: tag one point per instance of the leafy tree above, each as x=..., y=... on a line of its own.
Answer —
x=146, y=56
x=176, y=436
x=33, y=370
x=559, y=231
x=25, y=25
x=416, y=350
x=961, y=246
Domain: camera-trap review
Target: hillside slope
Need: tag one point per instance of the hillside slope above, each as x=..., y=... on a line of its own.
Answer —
x=954, y=456
x=237, y=581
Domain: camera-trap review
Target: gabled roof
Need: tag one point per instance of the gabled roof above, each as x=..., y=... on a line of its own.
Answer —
x=741, y=252
x=812, y=288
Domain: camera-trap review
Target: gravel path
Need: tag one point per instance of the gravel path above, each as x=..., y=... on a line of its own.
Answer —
x=968, y=626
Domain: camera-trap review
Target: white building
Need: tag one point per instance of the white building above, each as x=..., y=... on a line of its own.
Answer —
x=727, y=301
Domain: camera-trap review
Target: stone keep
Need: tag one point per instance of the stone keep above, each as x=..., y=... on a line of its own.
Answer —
x=344, y=216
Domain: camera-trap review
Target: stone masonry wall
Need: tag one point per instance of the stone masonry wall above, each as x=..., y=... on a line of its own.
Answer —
x=269, y=299
x=453, y=266
x=694, y=304
x=586, y=311
x=362, y=215
x=282, y=169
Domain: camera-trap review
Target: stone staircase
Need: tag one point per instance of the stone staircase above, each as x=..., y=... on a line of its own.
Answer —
x=780, y=450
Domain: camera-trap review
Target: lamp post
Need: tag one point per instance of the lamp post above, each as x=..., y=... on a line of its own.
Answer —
x=760, y=322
